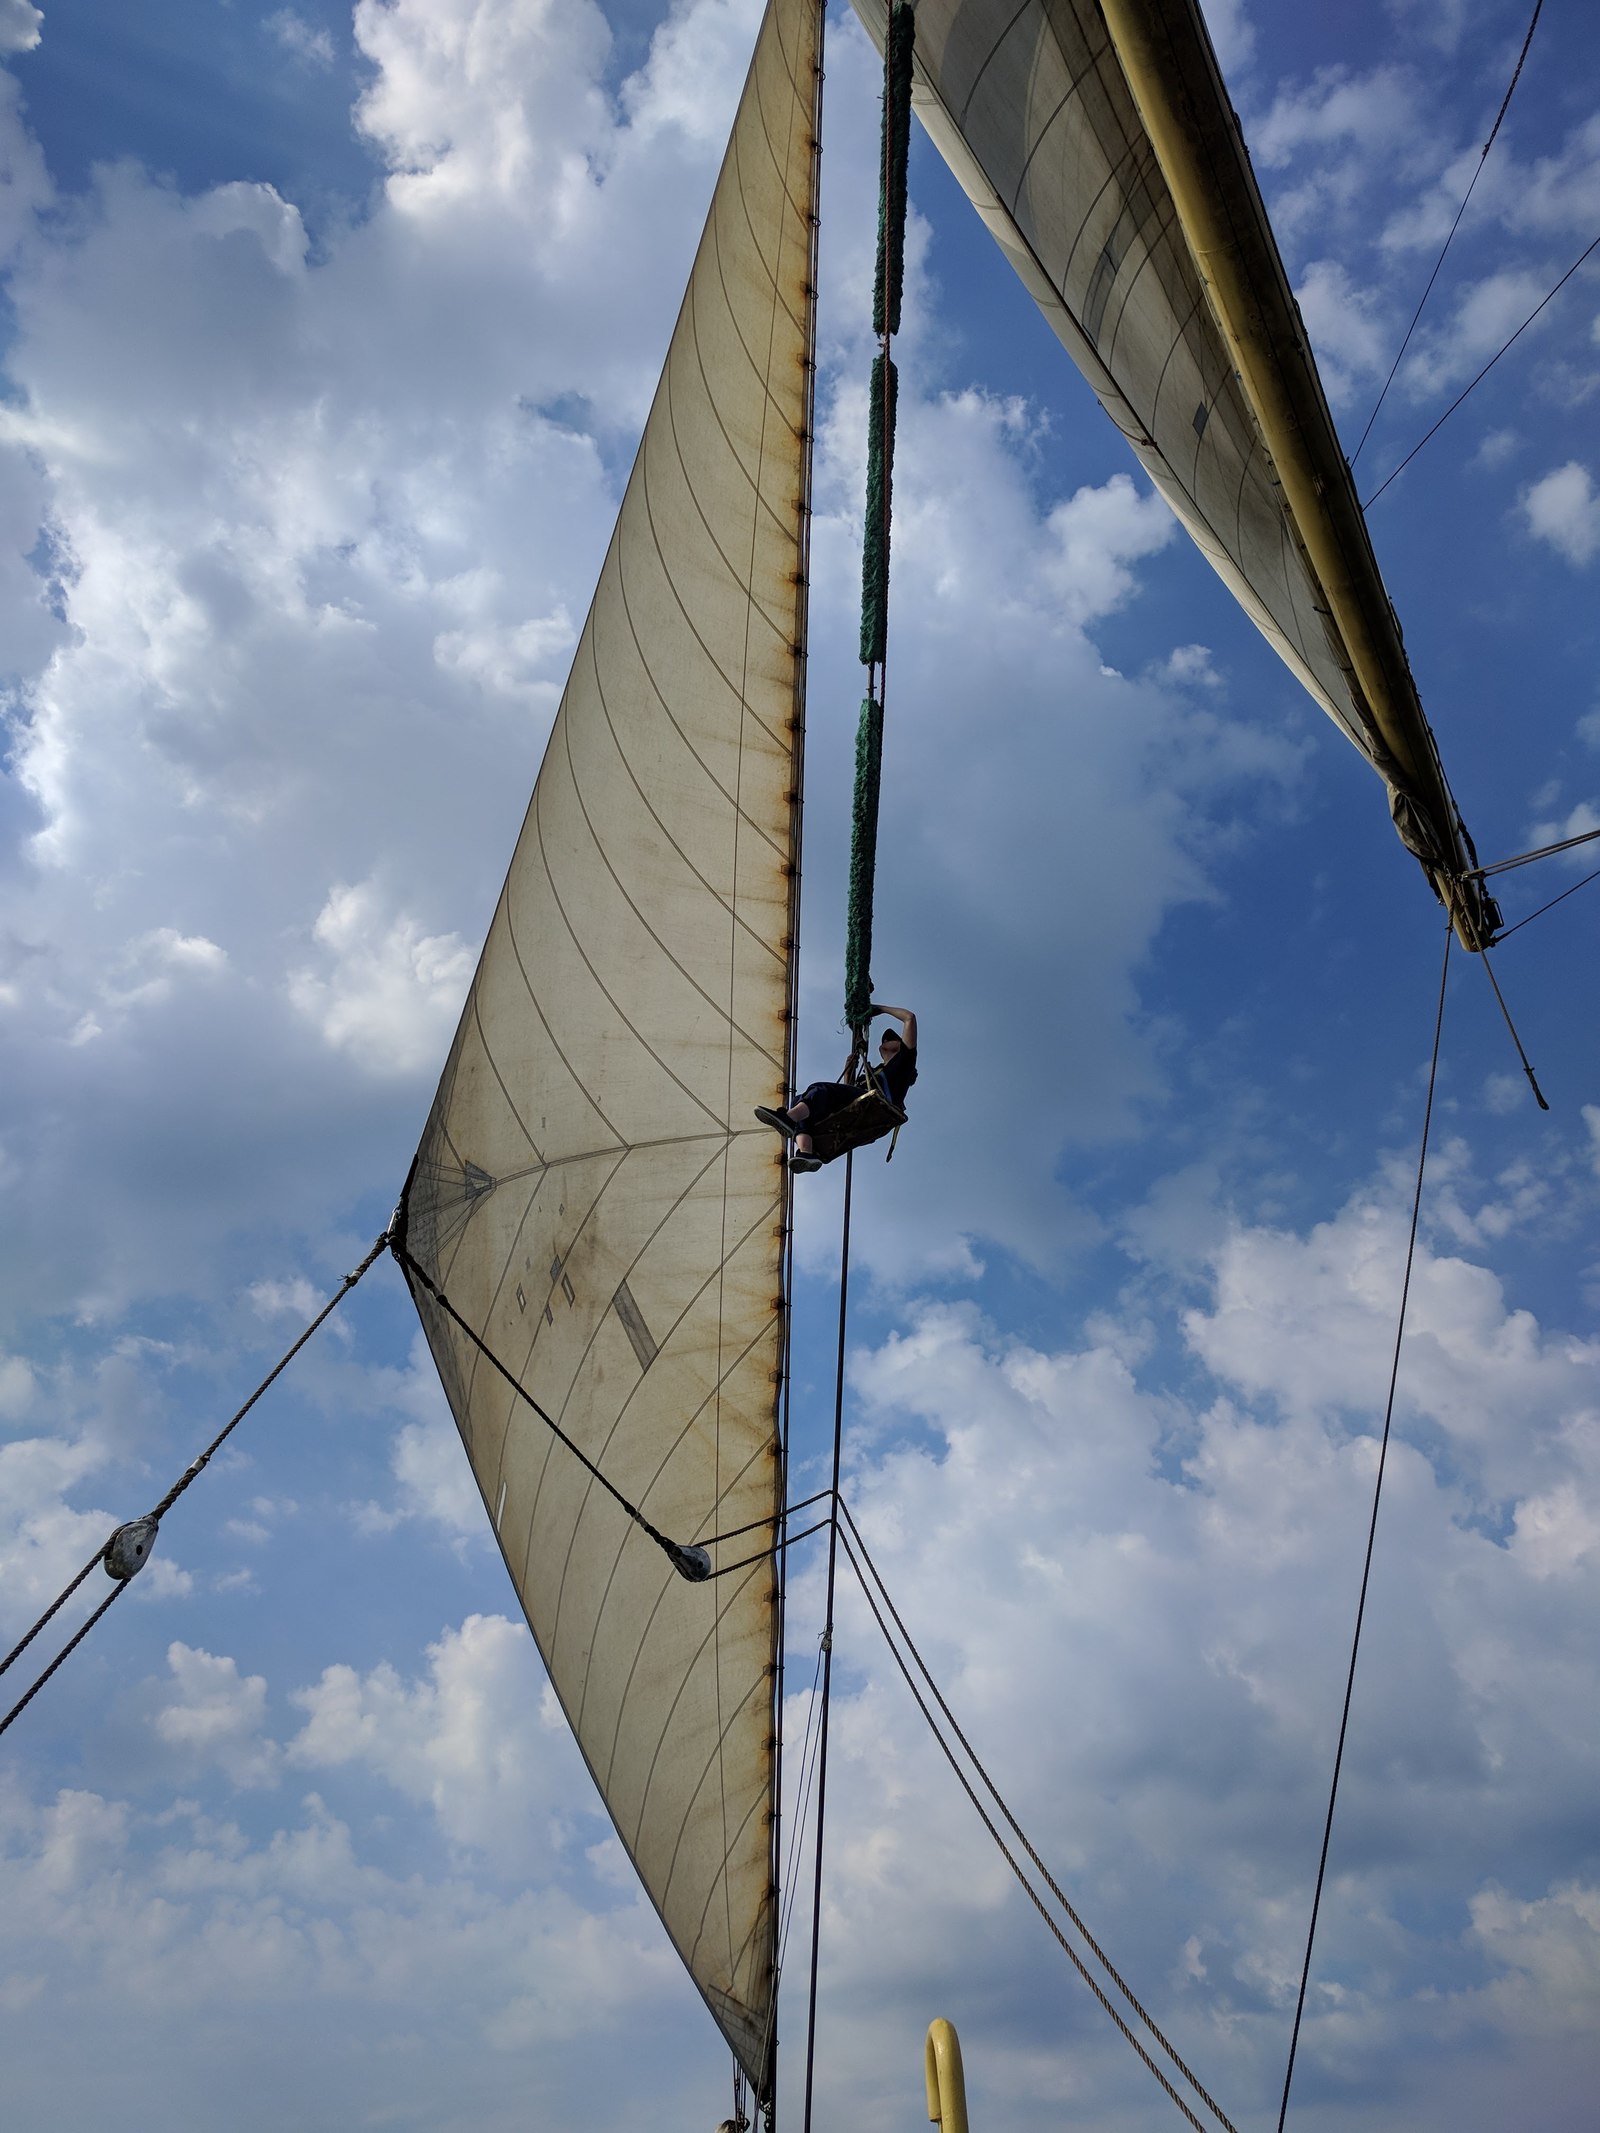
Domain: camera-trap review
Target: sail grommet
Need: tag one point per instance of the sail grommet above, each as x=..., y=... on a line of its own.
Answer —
x=128, y=1549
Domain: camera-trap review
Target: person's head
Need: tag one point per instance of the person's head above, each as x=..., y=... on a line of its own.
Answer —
x=890, y=1041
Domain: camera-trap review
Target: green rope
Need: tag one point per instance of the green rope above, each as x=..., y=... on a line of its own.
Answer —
x=863, y=865
x=887, y=286
x=875, y=534
x=889, y=279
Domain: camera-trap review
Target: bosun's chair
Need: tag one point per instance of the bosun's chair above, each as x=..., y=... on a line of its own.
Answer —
x=866, y=1118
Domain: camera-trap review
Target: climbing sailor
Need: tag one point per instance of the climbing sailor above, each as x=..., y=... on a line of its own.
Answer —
x=893, y=1075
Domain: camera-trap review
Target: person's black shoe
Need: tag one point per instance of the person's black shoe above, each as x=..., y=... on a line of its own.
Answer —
x=805, y=1162
x=776, y=1120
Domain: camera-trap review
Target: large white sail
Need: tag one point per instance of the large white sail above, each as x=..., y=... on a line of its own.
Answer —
x=592, y=1195
x=1098, y=145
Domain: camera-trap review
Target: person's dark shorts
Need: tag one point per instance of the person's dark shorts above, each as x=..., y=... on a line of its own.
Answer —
x=823, y=1098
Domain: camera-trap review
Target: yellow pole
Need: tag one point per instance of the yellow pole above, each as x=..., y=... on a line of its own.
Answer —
x=947, y=2084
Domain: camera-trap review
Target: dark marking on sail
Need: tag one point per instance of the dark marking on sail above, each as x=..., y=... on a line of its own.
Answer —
x=475, y=1182
x=1099, y=291
x=633, y=1325
x=555, y=1266
x=1202, y=415
x=522, y=1300
x=567, y=1290
x=1106, y=268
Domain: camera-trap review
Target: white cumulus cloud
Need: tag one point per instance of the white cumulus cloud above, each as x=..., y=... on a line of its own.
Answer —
x=1564, y=511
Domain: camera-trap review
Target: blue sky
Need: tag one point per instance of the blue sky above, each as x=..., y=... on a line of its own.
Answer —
x=326, y=342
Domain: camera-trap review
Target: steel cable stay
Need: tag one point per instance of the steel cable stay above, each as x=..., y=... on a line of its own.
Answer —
x=1550, y=906
x=1504, y=349
x=1372, y=1531
x=869, y=1577
x=1494, y=131
x=127, y=1550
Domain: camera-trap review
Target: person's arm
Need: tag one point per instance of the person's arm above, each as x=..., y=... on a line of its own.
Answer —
x=907, y=1021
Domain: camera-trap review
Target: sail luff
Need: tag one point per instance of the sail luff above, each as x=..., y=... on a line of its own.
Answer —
x=592, y=1195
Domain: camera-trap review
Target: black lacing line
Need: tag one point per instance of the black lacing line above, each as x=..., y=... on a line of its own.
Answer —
x=1505, y=106
x=1372, y=1534
x=994, y=1793
x=152, y=1519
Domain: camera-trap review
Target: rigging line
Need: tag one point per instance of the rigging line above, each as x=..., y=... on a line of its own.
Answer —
x=1372, y=1531
x=1022, y=1836
x=1482, y=374
x=1533, y=1079
x=1031, y=1892
x=762, y=1555
x=54, y=1608
x=676, y=1555
x=1516, y=76
x=827, y=1639
x=153, y=1518
x=63, y=1655
x=1545, y=851
x=709, y=1540
x=792, y=1863
x=1550, y=906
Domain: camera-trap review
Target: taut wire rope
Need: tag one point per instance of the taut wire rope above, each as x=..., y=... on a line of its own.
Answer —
x=1015, y=1826
x=1505, y=349
x=681, y=1557
x=1505, y=106
x=1550, y=906
x=1545, y=851
x=153, y=1518
x=827, y=1643
x=1009, y=1857
x=1533, y=1079
x=1372, y=1533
